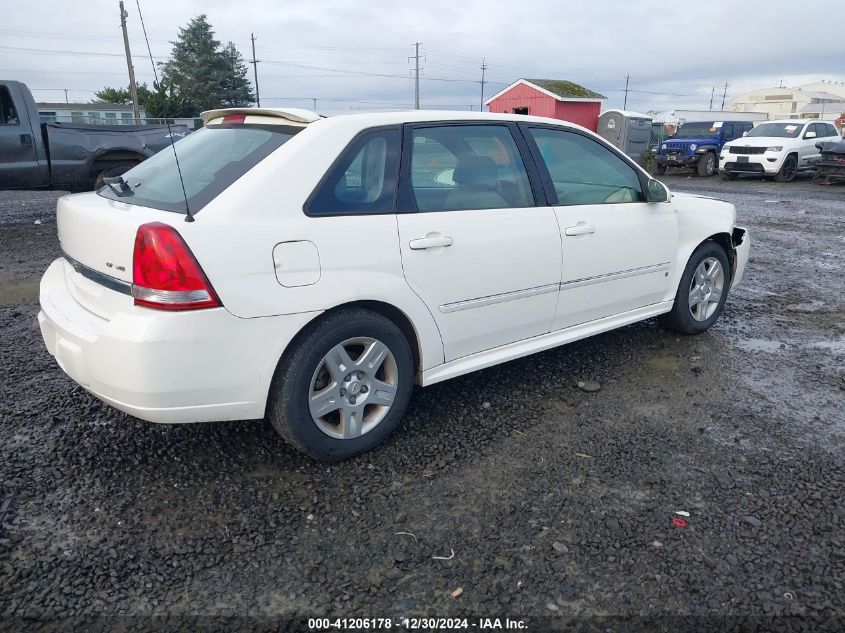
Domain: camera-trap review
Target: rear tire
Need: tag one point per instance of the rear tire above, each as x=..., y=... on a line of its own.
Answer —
x=788, y=169
x=697, y=307
x=322, y=372
x=111, y=172
x=707, y=164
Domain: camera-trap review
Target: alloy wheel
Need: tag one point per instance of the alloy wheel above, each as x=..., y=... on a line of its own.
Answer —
x=353, y=388
x=706, y=287
x=789, y=168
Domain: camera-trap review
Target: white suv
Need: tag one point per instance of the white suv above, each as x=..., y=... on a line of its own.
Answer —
x=776, y=148
x=314, y=269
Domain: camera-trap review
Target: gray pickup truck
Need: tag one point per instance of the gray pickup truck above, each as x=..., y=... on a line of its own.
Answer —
x=68, y=155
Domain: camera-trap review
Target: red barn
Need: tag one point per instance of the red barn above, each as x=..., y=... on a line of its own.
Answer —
x=552, y=98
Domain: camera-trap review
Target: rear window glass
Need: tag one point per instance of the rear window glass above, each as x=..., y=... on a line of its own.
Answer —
x=210, y=159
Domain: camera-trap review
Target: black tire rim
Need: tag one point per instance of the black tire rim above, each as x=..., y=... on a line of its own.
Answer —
x=789, y=168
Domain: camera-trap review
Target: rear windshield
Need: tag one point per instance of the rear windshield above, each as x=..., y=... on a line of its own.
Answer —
x=782, y=130
x=210, y=159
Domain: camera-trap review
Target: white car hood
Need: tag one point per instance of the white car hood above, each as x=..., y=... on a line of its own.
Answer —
x=760, y=141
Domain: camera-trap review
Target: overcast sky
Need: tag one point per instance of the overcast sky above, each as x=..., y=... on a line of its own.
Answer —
x=675, y=52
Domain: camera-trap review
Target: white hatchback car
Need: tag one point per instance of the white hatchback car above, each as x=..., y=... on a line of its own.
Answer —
x=314, y=269
x=776, y=148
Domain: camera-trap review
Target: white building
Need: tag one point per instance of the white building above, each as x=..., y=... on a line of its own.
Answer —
x=825, y=100
x=99, y=113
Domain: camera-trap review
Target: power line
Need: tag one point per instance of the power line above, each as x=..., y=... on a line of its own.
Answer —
x=42, y=51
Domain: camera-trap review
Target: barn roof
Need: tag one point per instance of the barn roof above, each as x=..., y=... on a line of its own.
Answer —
x=560, y=89
x=566, y=89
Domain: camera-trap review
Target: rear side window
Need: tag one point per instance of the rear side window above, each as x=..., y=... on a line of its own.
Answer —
x=464, y=167
x=364, y=179
x=210, y=159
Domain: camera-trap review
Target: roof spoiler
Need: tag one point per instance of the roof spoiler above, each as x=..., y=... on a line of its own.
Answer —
x=294, y=115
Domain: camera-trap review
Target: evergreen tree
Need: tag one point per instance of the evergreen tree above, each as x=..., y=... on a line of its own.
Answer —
x=120, y=96
x=162, y=102
x=235, y=88
x=204, y=75
x=199, y=75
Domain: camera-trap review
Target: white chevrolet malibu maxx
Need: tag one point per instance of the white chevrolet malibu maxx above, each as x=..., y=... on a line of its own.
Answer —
x=312, y=270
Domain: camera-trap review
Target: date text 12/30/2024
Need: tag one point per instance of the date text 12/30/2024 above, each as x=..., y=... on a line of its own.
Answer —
x=416, y=624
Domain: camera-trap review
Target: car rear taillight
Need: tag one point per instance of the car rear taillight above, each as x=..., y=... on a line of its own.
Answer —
x=234, y=118
x=165, y=273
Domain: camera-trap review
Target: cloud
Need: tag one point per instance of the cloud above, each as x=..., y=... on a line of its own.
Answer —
x=675, y=52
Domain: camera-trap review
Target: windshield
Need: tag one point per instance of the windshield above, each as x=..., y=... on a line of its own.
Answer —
x=210, y=159
x=781, y=130
x=697, y=130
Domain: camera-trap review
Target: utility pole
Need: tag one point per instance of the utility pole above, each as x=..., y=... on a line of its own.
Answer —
x=483, y=69
x=625, y=104
x=133, y=89
x=416, y=58
x=314, y=99
x=724, y=94
x=712, y=92
x=66, y=100
x=254, y=63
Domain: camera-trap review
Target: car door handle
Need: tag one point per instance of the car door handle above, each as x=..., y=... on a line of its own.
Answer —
x=580, y=229
x=430, y=241
x=26, y=140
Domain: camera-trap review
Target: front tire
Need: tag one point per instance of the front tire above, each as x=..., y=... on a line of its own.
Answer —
x=707, y=164
x=788, y=169
x=702, y=291
x=343, y=386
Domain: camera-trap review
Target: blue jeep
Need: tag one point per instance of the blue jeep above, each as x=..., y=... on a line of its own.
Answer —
x=697, y=145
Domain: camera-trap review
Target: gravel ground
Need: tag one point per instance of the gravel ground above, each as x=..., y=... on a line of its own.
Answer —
x=556, y=503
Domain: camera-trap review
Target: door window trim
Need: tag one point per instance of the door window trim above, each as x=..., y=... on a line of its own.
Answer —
x=546, y=177
x=407, y=202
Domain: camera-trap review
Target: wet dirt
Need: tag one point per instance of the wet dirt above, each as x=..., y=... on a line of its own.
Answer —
x=113, y=515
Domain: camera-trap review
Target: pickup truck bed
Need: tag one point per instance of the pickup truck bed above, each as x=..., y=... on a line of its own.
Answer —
x=68, y=155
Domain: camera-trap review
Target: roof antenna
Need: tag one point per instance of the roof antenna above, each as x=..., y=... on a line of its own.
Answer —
x=188, y=216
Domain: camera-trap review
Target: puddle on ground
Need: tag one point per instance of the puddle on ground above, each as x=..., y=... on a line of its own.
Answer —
x=16, y=292
x=807, y=306
x=760, y=345
x=837, y=347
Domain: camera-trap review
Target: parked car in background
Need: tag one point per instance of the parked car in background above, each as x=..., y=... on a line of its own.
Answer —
x=333, y=263
x=776, y=148
x=68, y=155
x=697, y=145
x=831, y=164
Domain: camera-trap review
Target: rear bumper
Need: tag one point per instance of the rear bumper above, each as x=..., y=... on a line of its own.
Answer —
x=197, y=366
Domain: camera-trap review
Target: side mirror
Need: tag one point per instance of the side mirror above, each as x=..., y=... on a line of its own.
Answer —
x=810, y=135
x=657, y=191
